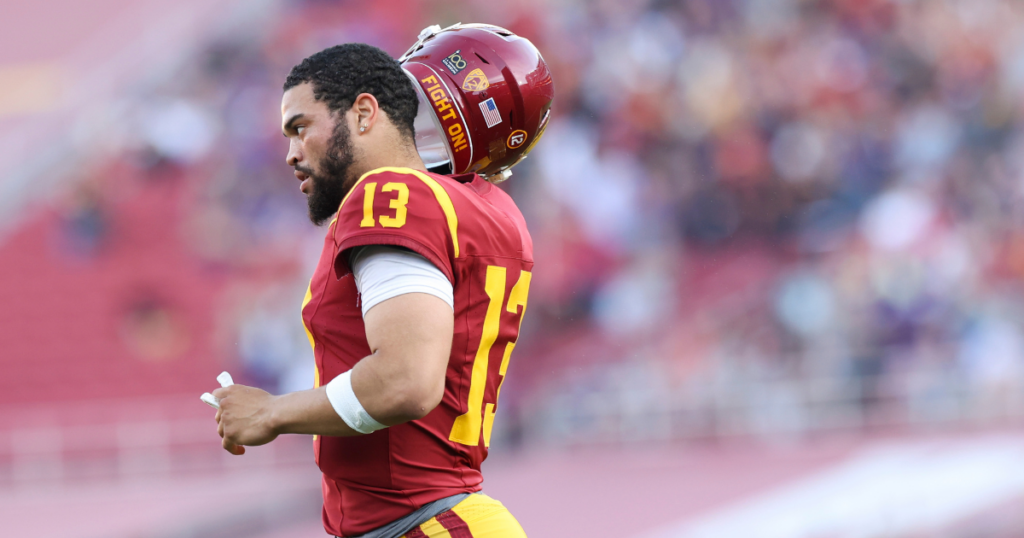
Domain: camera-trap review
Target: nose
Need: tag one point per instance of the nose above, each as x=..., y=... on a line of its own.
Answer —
x=294, y=153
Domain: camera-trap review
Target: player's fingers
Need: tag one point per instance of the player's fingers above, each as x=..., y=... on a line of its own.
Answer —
x=217, y=418
x=220, y=430
x=237, y=450
x=222, y=392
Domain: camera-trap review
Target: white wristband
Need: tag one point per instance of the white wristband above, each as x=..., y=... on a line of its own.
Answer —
x=345, y=403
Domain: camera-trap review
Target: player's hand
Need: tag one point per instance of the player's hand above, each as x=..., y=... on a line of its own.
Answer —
x=244, y=417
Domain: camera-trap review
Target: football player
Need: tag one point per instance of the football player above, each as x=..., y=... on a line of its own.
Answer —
x=415, y=306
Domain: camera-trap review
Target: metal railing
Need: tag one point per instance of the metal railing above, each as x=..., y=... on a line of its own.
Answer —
x=93, y=440
x=777, y=408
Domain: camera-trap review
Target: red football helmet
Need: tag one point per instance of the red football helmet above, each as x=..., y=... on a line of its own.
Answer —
x=485, y=96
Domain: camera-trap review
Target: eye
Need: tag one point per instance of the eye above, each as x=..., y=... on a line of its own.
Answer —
x=299, y=129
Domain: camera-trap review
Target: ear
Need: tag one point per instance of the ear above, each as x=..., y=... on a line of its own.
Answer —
x=366, y=112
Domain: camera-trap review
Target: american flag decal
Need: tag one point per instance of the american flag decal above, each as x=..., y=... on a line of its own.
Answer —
x=491, y=114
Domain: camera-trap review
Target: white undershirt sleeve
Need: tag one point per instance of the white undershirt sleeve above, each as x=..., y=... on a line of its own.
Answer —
x=382, y=272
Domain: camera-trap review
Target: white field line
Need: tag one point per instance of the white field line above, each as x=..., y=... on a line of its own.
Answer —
x=885, y=491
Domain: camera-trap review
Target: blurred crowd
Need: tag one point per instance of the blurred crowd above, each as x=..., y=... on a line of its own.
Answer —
x=803, y=215
x=749, y=216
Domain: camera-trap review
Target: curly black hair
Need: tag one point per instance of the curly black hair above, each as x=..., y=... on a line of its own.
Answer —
x=342, y=72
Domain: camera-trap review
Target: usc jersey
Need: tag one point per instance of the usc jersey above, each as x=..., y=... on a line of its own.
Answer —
x=474, y=233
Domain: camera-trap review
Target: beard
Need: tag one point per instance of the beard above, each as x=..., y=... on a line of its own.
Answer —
x=329, y=185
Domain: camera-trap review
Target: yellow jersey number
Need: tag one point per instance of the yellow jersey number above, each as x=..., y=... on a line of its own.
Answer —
x=466, y=429
x=398, y=204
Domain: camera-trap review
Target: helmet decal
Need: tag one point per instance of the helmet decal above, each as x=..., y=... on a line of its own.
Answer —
x=476, y=81
x=516, y=139
x=454, y=62
x=445, y=111
x=490, y=111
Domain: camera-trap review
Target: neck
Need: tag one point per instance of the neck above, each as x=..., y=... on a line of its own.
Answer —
x=403, y=158
x=410, y=159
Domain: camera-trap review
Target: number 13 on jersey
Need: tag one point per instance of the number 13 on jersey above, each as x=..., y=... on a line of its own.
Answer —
x=466, y=429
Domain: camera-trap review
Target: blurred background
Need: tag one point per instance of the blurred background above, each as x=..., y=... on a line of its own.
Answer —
x=778, y=291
